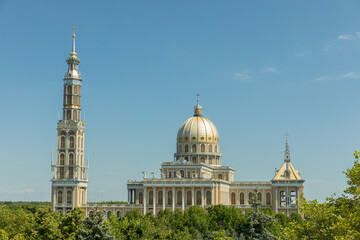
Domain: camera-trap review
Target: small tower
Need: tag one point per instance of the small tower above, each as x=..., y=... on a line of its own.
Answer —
x=287, y=185
x=69, y=173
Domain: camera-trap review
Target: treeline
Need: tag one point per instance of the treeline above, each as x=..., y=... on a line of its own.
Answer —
x=218, y=222
x=337, y=218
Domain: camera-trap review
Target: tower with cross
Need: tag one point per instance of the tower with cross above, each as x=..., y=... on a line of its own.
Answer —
x=69, y=172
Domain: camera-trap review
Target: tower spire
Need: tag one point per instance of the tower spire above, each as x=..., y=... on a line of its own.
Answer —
x=287, y=149
x=73, y=45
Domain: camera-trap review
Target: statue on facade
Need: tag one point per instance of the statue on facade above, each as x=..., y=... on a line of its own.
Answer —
x=153, y=174
x=144, y=172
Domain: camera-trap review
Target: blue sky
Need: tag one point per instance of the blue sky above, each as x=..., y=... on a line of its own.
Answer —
x=262, y=68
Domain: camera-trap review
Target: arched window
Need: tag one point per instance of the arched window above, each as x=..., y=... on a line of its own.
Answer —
x=82, y=142
x=109, y=213
x=233, y=200
x=78, y=142
x=182, y=173
x=75, y=90
x=141, y=198
x=268, y=199
x=151, y=197
x=72, y=142
x=188, y=198
x=61, y=172
x=202, y=148
x=292, y=197
x=69, y=197
x=189, y=174
x=242, y=198
x=220, y=176
x=62, y=159
x=71, y=172
x=62, y=142
x=180, y=150
x=198, y=198
x=169, y=174
x=69, y=90
x=74, y=116
x=208, y=198
x=250, y=196
x=193, y=159
x=203, y=159
x=68, y=98
x=260, y=197
x=282, y=199
x=160, y=197
x=68, y=115
x=210, y=148
x=179, y=197
x=71, y=159
x=216, y=148
x=193, y=148
x=186, y=148
x=60, y=197
x=118, y=214
x=169, y=197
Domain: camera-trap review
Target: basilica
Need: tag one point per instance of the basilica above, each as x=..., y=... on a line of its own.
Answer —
x=196, y=176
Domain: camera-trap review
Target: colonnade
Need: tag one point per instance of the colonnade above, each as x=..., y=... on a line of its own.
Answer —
x=174, y=191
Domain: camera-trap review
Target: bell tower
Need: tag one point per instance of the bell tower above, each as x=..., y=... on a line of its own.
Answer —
x=69, y=174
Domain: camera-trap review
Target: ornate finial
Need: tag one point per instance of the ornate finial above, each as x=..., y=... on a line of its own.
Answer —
x=73, y=45
x=198, y=108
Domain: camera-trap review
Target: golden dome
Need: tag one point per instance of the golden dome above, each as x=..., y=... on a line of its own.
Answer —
x=198, y=129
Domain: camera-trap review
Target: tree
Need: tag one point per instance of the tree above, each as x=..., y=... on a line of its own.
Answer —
x=72, y=223
x=257, y=222
x=94, y=227
x=46, y=224
x=337, y=218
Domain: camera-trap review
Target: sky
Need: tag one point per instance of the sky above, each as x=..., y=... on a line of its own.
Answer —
x=262, y=68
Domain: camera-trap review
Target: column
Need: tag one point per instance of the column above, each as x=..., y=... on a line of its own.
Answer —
x=192, y=196
x=298, y=199
x=163, y=206
x=129, y=196
x=183, y=199
x=202, y=197
x=154, y=200
x=54, y=198
x=144, y=201
x=134, y=196
x=287, y=200
x=173, y=198
x=73, y=192
x=212, y=196
x=276, y=199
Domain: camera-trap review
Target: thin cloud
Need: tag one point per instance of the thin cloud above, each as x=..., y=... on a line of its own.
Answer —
x=270, y=70
x=322, y=78
x=28, y=190
x=301, y=54
x=245, y=77
x=328, y=47
x=345, y=37
x=349, y=75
